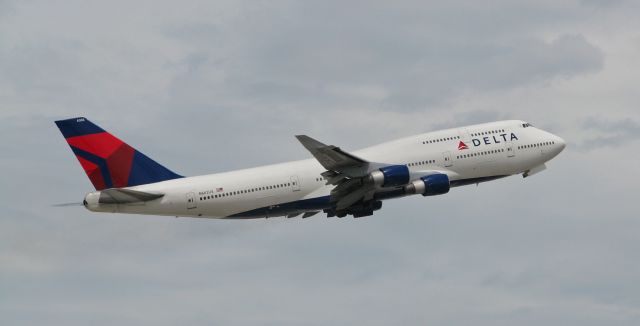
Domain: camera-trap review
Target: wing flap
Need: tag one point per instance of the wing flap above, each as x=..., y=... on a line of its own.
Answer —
x=309, y=214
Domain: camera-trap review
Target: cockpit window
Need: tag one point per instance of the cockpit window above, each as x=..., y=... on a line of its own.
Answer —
x=526, y=124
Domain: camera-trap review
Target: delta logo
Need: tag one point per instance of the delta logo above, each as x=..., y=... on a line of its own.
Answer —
x=495, y=139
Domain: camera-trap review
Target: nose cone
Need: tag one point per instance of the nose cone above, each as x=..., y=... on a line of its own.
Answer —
x=560, y=143
x=558, y=146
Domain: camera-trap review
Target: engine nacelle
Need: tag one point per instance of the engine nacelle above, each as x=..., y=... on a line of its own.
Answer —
x=430, y=185
x=390, y=176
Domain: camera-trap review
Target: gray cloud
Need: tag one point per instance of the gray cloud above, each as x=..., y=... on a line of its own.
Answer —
x=209, y=87
x=309, y=58
x=602, y=3
x=609, y=133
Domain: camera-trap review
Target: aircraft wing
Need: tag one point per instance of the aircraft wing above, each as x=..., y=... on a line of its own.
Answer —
x=125, y=196
x=348, y=172
x=333, y=158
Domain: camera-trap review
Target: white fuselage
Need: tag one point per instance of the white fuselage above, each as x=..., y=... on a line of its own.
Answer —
x=493, y=150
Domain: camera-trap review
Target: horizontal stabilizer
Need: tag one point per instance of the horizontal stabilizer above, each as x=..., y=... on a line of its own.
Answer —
x=125, y=196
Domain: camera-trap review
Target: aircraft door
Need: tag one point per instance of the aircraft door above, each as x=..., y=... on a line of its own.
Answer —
x=191, y=200
x=447, y=158
x=295, y=183
x=510, y=151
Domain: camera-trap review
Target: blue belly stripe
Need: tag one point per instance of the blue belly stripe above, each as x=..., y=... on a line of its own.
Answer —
x=320, y=203
x=298, y=206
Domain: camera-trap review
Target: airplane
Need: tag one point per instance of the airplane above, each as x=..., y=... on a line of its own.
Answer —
x=334, y=181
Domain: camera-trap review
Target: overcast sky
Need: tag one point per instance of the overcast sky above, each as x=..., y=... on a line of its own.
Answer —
x=204, y=86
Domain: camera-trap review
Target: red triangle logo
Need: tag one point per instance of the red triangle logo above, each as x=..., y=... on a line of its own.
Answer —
x=462, y=146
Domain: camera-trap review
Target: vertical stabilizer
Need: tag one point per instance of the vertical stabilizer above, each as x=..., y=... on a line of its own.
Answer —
x=108, y=161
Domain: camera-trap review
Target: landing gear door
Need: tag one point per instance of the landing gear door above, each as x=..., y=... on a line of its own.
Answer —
x=191, y=200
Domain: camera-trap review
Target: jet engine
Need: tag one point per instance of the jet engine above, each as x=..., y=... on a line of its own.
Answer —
x=430, y=185
x=390, y=176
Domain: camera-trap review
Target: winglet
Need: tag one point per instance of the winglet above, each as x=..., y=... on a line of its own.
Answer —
x=330, y=157
x=310, y=143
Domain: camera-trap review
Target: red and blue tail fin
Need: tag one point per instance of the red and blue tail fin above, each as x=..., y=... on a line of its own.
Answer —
x=108, y=161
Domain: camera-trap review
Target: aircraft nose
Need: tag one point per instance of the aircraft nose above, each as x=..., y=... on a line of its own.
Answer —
x=561, y=143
